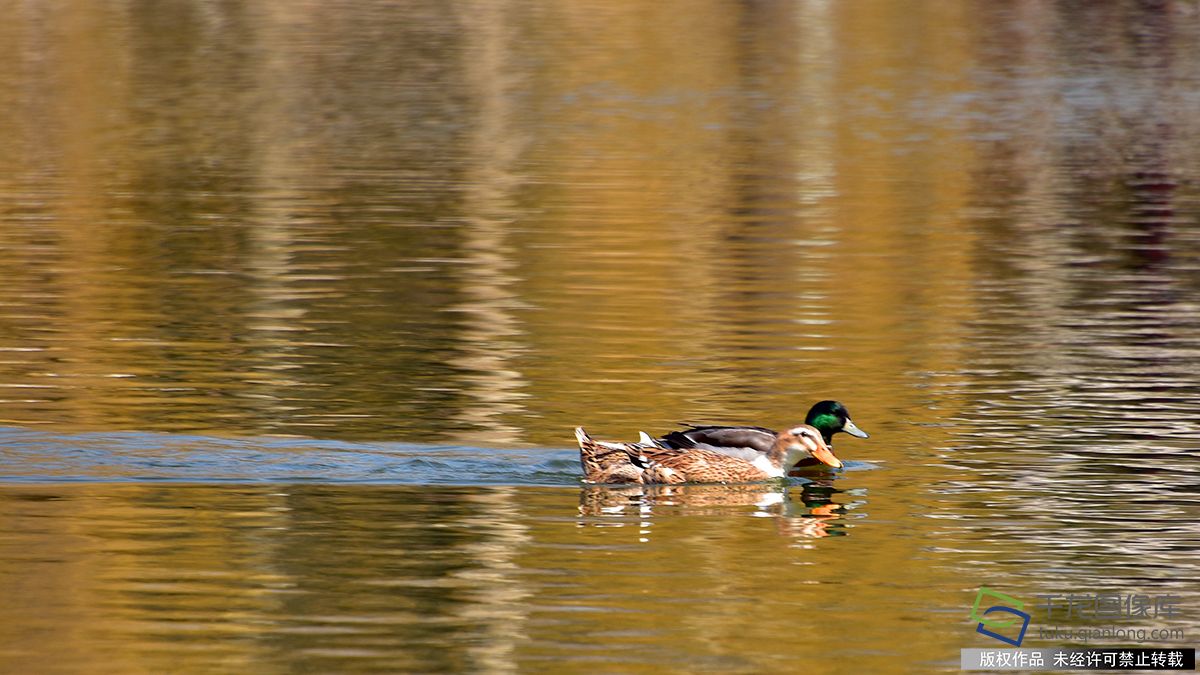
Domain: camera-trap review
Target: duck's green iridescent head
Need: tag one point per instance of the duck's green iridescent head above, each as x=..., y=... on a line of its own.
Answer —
x=831, y=417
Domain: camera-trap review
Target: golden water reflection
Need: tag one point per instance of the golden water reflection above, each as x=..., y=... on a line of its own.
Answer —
x=502, y=221
x=806, y=511
x=146, y=578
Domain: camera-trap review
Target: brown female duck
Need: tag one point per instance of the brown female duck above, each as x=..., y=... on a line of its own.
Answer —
x=649, y=463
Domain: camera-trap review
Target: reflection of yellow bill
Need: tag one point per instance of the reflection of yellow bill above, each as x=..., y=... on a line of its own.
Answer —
x=985, y=592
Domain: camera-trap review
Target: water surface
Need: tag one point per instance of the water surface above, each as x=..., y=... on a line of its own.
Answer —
x=301, y=302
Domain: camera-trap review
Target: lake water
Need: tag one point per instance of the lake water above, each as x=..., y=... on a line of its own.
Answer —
x=301, y=302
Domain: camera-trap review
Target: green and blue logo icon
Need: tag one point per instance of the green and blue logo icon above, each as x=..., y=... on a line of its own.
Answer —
x=1012, y=606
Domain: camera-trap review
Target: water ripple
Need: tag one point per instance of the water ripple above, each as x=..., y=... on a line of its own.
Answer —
x=35, y=456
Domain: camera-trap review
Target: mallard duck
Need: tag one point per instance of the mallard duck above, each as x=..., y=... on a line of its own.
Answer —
x=828, y=417
x=649, y=463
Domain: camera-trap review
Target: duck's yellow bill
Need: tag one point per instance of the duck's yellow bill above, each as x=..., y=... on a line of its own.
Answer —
x=825, y=456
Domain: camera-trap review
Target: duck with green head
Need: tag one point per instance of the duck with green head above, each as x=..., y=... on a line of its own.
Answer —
x=650, y=463
x=829, y=417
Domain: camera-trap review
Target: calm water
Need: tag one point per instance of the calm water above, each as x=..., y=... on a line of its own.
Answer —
x=301, y=301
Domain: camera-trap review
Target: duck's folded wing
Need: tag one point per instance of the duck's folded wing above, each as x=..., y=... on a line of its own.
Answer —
x=727, y=440
x=703, y=466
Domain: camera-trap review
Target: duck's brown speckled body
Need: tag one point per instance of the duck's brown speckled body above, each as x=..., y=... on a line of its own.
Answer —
x=650, y=463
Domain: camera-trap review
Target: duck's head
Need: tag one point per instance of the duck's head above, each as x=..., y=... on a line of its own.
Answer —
x=830, y=417
x=805, y=441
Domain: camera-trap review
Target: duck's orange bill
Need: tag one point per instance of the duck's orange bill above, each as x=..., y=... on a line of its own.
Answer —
x=825, y=456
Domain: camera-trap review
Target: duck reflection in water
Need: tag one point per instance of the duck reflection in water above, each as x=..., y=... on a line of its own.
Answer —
x=805, y=511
